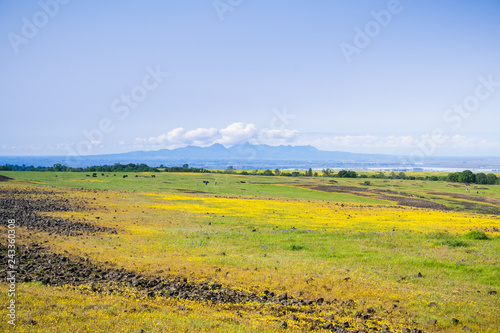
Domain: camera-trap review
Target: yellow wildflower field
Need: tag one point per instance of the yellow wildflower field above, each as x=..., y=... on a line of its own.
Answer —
x=319, y=215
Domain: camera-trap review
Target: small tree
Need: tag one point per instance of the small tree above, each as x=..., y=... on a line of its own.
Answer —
x=453, y=177
x=481, y=178
x=230, y=169
x=467, y=176
x=277, y=172
x=492, y=179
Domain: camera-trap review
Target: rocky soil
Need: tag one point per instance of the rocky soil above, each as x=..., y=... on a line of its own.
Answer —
x=27, y=208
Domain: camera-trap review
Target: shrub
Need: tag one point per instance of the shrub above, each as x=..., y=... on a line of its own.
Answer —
x=347, y=174
x=476, y=234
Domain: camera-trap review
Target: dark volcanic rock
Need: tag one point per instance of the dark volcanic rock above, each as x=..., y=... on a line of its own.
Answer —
x=4, y=178
x=27, y=208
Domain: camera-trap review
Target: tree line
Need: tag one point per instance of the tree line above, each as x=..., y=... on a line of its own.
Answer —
x=131, y=167
x=466, y=176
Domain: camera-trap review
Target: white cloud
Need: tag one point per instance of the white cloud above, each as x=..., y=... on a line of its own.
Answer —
x=456, y=144
x=231, y=135
x=174, y=136
x=237, y=133
x=460, y=141
x=276, y=136
x=201, y=134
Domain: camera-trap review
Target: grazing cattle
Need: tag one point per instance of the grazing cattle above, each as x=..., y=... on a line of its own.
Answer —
x=136, y=176
x=94, y=175
x=125, y=176
x=102, y=174
x=114, y=175
x=153, y=176
x=87, y=175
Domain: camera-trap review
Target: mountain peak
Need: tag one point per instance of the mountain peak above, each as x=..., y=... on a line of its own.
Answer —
x=217, y=146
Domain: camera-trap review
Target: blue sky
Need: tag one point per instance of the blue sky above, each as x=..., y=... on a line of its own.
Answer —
x=402, y=77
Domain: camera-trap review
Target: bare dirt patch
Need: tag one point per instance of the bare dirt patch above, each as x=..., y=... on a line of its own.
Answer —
x=491, y=206
x=402, y=198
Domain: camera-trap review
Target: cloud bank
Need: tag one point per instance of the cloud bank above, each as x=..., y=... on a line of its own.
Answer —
x=231, y=135
x=239, y=132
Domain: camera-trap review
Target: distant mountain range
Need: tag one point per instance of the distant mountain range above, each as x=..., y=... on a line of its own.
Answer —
x=248, y=156
x=245, y=151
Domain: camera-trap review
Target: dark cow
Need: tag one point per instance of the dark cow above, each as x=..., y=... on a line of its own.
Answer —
x=125, y=176
x=94, y=175
x=87, y=175
x=153, y=176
